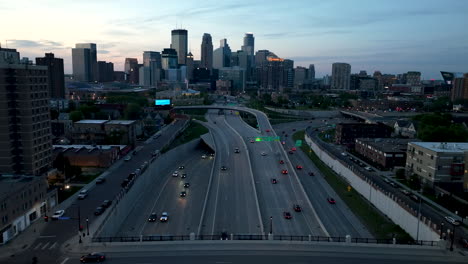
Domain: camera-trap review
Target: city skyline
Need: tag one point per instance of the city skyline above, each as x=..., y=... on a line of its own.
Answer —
x=368, y=36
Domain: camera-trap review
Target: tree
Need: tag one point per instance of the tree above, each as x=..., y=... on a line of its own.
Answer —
x=76, y=116
x=132, y=111
x=400, y=174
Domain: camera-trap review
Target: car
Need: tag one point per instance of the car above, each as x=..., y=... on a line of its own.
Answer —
x=293, y=148
x=58, y=214
x=297, y=208
x=299, y=167
x=264, y=153
x=368, y=169
x=283, y=142
x=175, y=174
x=106, y=203
x=287, y=215
x=311, y=174
x=183, y=194
x=294, y=129
x=212, y=154
x=284, y=171
x=393, y=185
x=274, y=181
x=414, y=197
x=152, y=217
x=281, y=161
x=184, y=175
x=452, y=220
x=186, y=185
x=181, y=167
x=223, y=168
x=236, y=150
x=99, y=210
x=93, y=257
x=405, y=192
x=291, y=152
x=155, y=153
x=203, y=156
x=344, y=154
x=286, y=135
x=331, y=200
x=268, y=130
x=134, y=152
x=128, y=158
x=100, y=180
x=252, y=141
x=387, y=181
x=125, y=183
x=164, y=217
x=362, y=164
x=83, y=193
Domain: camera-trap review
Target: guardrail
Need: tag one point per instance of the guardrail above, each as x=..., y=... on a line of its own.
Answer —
x=308, y=238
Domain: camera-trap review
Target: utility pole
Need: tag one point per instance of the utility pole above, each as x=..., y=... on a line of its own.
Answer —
x=271, y=224
x=419, y=218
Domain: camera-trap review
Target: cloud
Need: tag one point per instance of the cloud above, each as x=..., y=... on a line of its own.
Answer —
x=119, y=32
x=101, y=51
x=23, y=43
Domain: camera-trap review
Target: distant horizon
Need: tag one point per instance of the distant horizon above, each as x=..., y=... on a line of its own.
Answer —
x=419, y=35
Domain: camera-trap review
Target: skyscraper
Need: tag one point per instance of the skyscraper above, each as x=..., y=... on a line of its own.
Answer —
x=25, y=144
x=150, y=73
x=249, y=43
x=84, y=57
x=132, y=70
x=179, y=43
x=460, y=87
x=207, y=52
x=150, y=56
x=55, y=75
x=222, y=55
x=190, y=66
x=169, y=59
x=341, y=74
x=105, y=71
x=311, y=72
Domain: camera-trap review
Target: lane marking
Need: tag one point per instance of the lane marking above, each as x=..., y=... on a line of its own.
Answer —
x=64, y=261
x=46, y=244
x=46, y=236
x=37, y=246
x=53, y=245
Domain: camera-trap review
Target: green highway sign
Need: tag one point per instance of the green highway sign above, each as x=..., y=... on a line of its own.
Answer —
x=298, y=143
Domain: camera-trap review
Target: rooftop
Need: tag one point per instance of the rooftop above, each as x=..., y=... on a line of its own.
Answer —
x=88, y=146
x=120, y=122
x=11, y=183
x=388, y=144
x=443, y=146
x=90, y=121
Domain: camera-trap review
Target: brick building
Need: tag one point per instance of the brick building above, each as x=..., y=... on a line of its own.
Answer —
x=383, y=152
x=346, y=133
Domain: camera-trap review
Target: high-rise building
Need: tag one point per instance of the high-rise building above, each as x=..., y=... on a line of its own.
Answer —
x=276, y=74
x=460, y=87
x=190, y=66
x=413, y=78
x=222, y=55
x=261, y=57
x=55, y=75
x=132, y=70
x=249, y=44
x=341, y=73
x=150, y=56
x=179, y=43
x=235, y=74
x=25, y=142
x=9, y=56
x=105, y=71
x=301, y=74
x=207, y=52
x=169, y=59
x=150, y=73
x=86, y=53
x=311, y=72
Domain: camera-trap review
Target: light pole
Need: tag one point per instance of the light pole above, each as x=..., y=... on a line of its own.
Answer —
x=87, y=225
x=271, y=224
x=452, y=236
x=419, y=217
x=441, y=229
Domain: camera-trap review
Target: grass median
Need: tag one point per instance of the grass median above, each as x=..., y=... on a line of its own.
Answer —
x=193, y=131
x=379, y=225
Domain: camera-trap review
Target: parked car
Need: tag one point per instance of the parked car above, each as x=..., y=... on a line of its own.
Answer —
x=128, y=158
x=100, y=180
x=452, y=220
x=99, y=210
x=106, y=203
x=58, y=214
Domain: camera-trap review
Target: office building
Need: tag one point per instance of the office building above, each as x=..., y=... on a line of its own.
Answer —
x=249, y=47
x=235, y=74
x=190, y=66
x=222, y=55
x=312, y=72
x=152, y=56
x=275, y=74
x=439, y=164
x=460, y=87
x=384, y=153
x=180, y=43
x=169, y=59
x=9, y=56
x=150, y=73
x=84, y=60
x=25, y=142
x=341, y=73
x=105, y=71
x=301, y=75
x=261, y=57
x=413, y=78
x=132, y=70
x=55, y=75
x=207, y=52
x=346, y=133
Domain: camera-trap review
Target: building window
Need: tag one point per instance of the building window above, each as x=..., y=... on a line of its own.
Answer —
x=5, y=219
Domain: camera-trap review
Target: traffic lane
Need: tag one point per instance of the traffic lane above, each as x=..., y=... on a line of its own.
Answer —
x=302, y=223
x=184, y=212
x=238, y=184
x=337, y=218
x=161, y=172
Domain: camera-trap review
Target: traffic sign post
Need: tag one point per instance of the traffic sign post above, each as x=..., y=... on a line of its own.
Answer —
x=298, y=143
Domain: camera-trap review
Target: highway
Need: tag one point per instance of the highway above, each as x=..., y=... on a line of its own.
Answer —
x=274, y=199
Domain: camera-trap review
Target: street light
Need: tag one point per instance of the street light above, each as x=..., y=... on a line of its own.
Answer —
x=271, y=224
x=452, y=236
x=87, y=225
x=441, y=229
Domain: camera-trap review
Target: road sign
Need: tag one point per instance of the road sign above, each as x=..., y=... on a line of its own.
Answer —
x=349, y=188
x=298, y=143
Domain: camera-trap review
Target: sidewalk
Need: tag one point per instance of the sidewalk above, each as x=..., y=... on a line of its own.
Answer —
x=23, y=240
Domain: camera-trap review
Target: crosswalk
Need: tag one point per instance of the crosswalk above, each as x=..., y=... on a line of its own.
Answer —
x=44, y=246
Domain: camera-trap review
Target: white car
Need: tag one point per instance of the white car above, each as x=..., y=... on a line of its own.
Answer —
x=175, y=174
x=128, y=158
x=82, y=194
x=264, y=154
x=164, y=217
x=58, y=214
x=452, y=221
x=203, y=156
x=368, y=169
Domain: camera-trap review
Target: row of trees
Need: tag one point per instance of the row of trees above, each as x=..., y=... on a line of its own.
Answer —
x=439, y=127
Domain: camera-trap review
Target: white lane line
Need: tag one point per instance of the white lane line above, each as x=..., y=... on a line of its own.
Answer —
x=46, y=236
x=64, y=261
x=53, y=245
x=46, y=244
x=37, y=246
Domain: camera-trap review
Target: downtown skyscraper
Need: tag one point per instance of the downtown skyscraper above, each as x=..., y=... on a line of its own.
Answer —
x=84, y=60
x=341, y=76
x=222, y=55
x=207, y=52
x=179, y=42
x=55, y=75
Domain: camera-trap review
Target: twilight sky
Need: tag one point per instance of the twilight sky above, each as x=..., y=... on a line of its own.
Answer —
x=392, y=36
